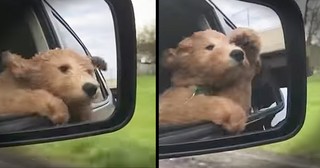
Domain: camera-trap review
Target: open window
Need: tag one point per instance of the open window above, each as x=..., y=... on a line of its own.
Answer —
x=103, y=105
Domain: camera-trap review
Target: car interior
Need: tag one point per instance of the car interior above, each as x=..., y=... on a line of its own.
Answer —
x=178, y=22
x=15, y=25
x=19, y=20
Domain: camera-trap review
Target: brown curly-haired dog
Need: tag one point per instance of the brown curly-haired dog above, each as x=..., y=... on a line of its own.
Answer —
x=211, y=79
x=58, y=84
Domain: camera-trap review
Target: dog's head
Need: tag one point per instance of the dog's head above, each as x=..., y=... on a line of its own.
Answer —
x=205, y=58
x=63, y=72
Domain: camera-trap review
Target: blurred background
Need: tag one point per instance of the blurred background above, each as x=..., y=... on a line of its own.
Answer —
x=132, y=146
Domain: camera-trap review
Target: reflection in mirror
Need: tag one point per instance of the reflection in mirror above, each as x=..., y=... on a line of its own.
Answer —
x=59, y=67
x=226, y=67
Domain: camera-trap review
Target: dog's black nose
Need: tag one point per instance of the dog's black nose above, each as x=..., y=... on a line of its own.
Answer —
x=237, y=55
x=90, y=89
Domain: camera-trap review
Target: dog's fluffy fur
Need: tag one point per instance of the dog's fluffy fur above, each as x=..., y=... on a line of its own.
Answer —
x=203, y=59
x=49, y=84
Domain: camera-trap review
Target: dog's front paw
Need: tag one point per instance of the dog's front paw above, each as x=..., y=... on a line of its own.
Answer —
x=58, y=111
x=246, y=38
x=235, y=119
x=236, y=124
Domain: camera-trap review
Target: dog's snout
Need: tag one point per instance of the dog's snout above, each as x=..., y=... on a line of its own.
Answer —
x=90, y=89
x=237, y=55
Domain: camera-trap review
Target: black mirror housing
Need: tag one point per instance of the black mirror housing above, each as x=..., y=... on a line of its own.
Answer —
x=294, y=39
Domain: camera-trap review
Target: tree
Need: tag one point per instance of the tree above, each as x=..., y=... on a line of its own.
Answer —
x=146, y=42
x=306, y=12
x=312, y=20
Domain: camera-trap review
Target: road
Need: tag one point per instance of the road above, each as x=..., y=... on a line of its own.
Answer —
x=248, y=158
x=17, y=159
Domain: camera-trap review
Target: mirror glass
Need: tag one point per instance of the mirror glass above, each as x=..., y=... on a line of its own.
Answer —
x=58, y=63
x=223, y=70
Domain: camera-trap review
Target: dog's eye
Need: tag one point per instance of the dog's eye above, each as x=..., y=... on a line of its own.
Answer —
x=64, y=68
x=89, y=71
x=210, y=47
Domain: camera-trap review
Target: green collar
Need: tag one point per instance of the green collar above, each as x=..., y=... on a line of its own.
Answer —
x=204, y=90
x=201, y=90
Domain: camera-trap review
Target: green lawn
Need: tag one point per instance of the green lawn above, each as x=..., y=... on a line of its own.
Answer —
x=132, y=146
x=307, y=141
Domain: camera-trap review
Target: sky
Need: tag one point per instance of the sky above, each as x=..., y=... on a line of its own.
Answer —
x=244, y=14
x=260, y=17
x=145, y=12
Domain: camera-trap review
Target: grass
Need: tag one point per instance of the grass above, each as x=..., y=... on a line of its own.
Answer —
x=306, y=142
x=132, y=146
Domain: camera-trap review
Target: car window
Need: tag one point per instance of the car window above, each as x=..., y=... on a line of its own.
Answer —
x=250, y=15
x=68, y=40
x=223, y=22
x=95, y=28
x=260, y=18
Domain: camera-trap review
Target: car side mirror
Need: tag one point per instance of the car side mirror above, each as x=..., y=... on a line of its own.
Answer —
x=68, y=69
x=229, y=78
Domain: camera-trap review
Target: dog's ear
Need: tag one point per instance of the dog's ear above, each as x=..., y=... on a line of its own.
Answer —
x=171, y=55
x=18, y=66
x=99, y=63
x=169, y=58
x=185, y=46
